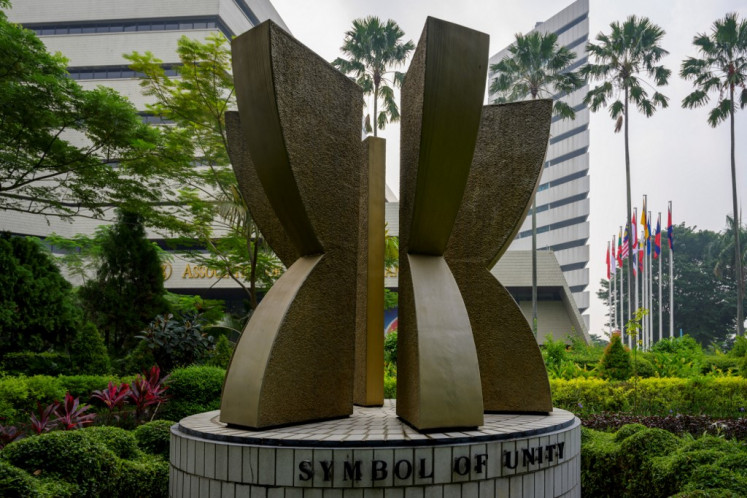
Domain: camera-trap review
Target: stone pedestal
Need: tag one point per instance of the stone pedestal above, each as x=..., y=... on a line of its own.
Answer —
x=374, y=454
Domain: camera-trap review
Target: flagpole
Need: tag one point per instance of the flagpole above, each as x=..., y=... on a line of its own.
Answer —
x=622, y=295
x=650, y=282
x=634, y=257
x=609, y=290
x=671, y=282
x=661, y=330
x=644, y=287
x=611, y=293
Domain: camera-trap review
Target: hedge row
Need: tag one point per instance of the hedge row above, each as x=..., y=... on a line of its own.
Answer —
x=96, y=461
x=714, y=396
x=191, y=390
x=640, y=462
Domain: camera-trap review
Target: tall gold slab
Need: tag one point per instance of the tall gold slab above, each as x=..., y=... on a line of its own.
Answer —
x=299, y=132
x=438, y=383
x=502, y=181
x=369, y=323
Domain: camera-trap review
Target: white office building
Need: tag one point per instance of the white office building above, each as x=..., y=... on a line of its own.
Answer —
x=93, y=35
x=563, y=194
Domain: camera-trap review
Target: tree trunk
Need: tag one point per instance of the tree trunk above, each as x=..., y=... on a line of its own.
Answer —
x=737, y=249
x=628, y=226
x=375, y=121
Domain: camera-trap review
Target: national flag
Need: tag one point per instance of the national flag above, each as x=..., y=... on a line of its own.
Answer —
x=608, y=261
x=626, y=244
x=648, y=235
x=634, y=262
x=620, y=248
x=670, y=230
x=646, y=231
x=613, y=258
x=640, y=256
x=657, y=238
x=634, y=243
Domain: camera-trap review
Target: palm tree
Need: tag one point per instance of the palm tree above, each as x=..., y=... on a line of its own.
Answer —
x=618, y=61
x=372, y=48
x=538, y=68
x=723, y=69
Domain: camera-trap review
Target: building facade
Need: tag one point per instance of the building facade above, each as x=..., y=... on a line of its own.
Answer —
x=93, y=35
x=563, y=193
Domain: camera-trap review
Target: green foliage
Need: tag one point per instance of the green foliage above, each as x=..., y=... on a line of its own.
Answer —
x=739, y=349
x=195, y=102
x=81, y=386
x=177, y=341
x=88, y=353
x=137, y=360
x=154, y=437
x=147, y=476
x=601, y=471
x=42, y=389
x=121, y=442
x=130, y=273
x=30, y=363
x=220, y=356
x=14, y=393
x=390, y=348
x=43, y=171
x=211, y=310
x=615, y=362
x=554, y=352
x=193, y=390
x=390, y=386
x=371, y=48
x=15, y=483
x=391, y=299
x=68, y=455
x=537, y=68
x=628, y=430
x=37, y=309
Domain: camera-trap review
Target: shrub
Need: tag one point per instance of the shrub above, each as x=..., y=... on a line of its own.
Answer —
x=585, y=396
x=56, y=488
x=628, y=430
x=194, y=389
x=69, y=455
x=220, y=356
x=636, y=454
x=30, y=363
x=615, y=363
x=713, y=476
x=13, y=393
x=82, y=386
x=88, y=353
x=177, y=341
x=390, y=348
x=601, y=474
x=154, y=437
x=121, y=442
x=139, y=359
x=42, y=389
x=15, y=483
x=644, y=368
x=390, y=387
x=720, y=363
x=148, y=476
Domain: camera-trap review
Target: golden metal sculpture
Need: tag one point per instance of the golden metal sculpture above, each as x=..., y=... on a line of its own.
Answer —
x=505, y=172
x=369, y=334
x=438, y=377
x=299, y=132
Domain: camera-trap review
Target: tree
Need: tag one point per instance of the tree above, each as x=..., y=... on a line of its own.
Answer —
x=372, y=48
x=210, y=215
x=127, y=292
x=537, y=67
x=722, y=68
x=37, y=306
x=618, y=61
x=66, y=151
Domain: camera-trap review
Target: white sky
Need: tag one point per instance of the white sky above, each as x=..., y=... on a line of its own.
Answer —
x=675, y=155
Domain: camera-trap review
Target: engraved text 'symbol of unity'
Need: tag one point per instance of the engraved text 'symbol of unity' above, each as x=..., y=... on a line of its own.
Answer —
x=468, y=174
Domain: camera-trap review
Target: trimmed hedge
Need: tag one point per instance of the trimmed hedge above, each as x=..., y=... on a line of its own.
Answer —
x=194, y=389
x=154, y=437
x=84, y=462
x=29, y=363
x=641, y=462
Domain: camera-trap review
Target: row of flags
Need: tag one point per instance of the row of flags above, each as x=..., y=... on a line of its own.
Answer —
x=642, y=251
x=614, y=258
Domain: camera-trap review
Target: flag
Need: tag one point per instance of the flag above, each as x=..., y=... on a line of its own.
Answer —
x=626, y=244
x=634, y=243
x=646, y=231
x=670, y=230
x=620, y=248
x=613, y=258
x=640, y=256
x=657, y=238
x=608, y=261
x=648, y=235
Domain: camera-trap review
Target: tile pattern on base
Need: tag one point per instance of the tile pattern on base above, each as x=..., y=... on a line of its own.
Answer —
x=373, y=454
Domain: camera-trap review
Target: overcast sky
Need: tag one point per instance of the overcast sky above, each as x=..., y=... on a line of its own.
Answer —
x=675, y=155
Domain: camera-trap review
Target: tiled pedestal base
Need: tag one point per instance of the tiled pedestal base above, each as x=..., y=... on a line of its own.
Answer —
x=373, y=454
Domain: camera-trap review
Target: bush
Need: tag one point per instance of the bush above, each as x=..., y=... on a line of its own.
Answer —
x=194, y=389
x=121, y=442
x=601, y=473
x=390, y=348
x=88, y=353
x=30, y=363
x=69, y=455
x=13, y=393
x=138, y=360
x=628, y=430
x=615, y=363
x=636, y=454
x=147, y=476
x=719, y=363
x=220, y=356
x=81, y=386
x=42, y=389
x=15, y=483
x=177, y=341
x=390, y=387
x=154, y=437
x=713, y=476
